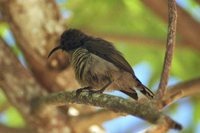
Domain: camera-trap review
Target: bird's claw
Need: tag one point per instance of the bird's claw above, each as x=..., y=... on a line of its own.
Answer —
x=82, y=89
x=89, y=89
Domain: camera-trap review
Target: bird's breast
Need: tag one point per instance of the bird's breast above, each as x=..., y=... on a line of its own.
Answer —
x=79, y=60
x=92, y=70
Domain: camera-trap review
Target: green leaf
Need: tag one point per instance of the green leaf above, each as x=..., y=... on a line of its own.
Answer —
x=3, y=28
x=2, y=97
x=118, y=17
x=14, y=118
x=196, y=110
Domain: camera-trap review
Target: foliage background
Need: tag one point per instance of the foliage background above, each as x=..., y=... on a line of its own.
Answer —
x=140, y=35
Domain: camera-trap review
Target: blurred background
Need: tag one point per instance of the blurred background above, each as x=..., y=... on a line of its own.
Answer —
x=138, y=28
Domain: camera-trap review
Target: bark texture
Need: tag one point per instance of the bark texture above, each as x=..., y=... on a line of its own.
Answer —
x=170, y=46
x=20, y=87
x=37, y=30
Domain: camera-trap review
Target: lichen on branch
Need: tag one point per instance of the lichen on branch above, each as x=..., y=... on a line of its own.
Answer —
x=144, y=110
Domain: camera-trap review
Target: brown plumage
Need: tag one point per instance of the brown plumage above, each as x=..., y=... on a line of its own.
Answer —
x=98, y=64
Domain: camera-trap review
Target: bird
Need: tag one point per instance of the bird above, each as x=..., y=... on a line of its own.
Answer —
x=98, y=64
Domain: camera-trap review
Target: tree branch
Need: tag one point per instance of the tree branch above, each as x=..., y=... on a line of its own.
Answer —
x=5, y=129
x=188, y=88
x=135, y=40
x=4, y=107
x=145, y=110
x=169, y=48
x=184, y=89
x=84, y=121
x=198, y=1
x=164, y=124
x=36, y=42
x=20, y=87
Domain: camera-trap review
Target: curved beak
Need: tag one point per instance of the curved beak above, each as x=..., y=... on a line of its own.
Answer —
x=53, y=50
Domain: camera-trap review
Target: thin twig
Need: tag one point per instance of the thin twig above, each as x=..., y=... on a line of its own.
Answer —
x=171, y=98
x=169, y=48
x=187, y=88
x=171, y=36
x=84, y=121
x=162, y=127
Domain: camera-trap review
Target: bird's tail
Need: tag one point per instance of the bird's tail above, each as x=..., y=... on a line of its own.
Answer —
x=144, y=90
x=131, y=93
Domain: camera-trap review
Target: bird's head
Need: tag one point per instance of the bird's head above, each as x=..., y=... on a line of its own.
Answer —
x=70, y=39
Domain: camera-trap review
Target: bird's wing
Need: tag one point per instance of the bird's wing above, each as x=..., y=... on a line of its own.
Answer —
x=108, y=52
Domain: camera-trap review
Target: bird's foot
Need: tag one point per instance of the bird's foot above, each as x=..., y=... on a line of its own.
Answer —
x=89, y=89
x=101, y=90
x=97, y=91
x=82, y=89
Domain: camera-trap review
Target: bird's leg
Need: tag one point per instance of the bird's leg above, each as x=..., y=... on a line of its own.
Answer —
x=102, y=89
x=84, y=88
